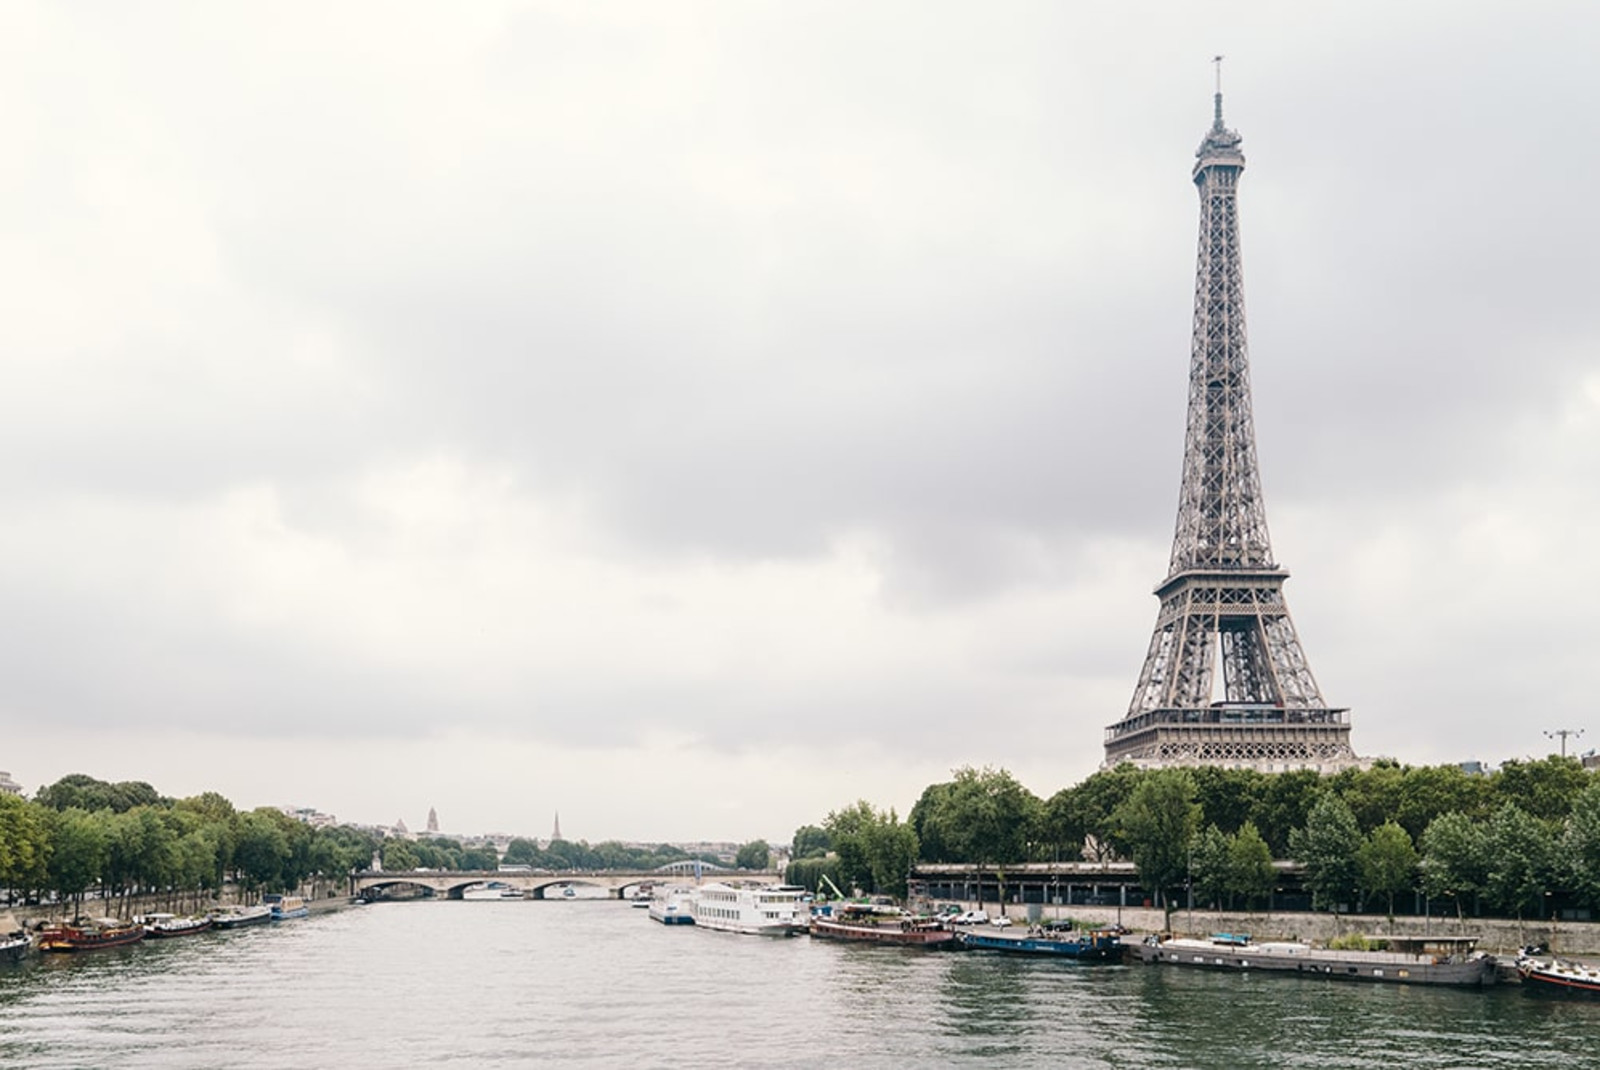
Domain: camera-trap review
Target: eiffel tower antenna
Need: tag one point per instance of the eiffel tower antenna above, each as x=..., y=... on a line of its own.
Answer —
x=1222, y=606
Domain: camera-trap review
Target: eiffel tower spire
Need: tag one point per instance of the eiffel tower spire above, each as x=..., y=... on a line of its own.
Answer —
x=1222, y=601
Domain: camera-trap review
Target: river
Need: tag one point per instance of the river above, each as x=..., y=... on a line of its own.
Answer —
x=597, y=984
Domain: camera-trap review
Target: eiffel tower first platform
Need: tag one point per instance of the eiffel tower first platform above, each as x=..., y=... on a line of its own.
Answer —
x=1222, y=602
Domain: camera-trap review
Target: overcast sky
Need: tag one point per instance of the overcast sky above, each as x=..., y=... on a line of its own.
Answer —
x=694, y=417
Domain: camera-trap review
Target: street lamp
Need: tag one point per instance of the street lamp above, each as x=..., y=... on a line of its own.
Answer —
x=1563, y=733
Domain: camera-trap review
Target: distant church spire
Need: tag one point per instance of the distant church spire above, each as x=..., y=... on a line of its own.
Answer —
x=433, y=821
x=556, y=835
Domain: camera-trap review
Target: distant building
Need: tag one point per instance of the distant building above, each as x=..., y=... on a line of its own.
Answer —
x=556, y=835
x=1590, y=761
x=433, y=821
x=308, y=816
x=9, y=786
x=1474, y=768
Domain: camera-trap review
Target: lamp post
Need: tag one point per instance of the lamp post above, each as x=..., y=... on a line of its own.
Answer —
x=1562, y=734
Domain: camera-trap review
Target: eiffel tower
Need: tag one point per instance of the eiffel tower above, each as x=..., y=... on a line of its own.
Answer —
x=1222, y=601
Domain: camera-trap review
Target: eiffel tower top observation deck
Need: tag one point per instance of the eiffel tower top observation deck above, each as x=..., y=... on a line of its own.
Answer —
x=1222, y=601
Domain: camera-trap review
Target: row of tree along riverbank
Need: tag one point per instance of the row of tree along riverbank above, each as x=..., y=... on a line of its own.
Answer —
x=1523, y=842
x=140, y=850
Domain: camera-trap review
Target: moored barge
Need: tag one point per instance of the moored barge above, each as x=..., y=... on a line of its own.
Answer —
x=1449, y=960
x=875, y=924
x=89, y=935
x=1100, y=945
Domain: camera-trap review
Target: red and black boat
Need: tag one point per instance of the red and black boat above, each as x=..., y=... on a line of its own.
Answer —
x=89, y=935
x=1558, y=977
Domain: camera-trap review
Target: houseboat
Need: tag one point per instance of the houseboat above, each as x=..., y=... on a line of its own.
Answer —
x=89, y=935
x=1101, y=945
x=877, y=923
x=1438, y=960
x=163, y=926
x=285, y=907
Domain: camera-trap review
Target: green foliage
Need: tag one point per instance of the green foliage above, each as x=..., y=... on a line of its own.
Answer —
x=1326, y=846
x=808, y=872
x=1228, y=797
x=1373, y=795
x=985, y=816
x=874, y=850
x=1209, y=866
x=1428, y=792
x=1580, y=845
x=1158, y=823
x=84, y=792
x=1285, y=805
x=754, y=855
x=931, y=845
x=1453, y=858
x=1388, y=862
x=1520, y=852
x=809, y=842
x=1545, y=789
x=1250, y=873
x=520, y=852
x=80, y=845
x=1353, y=942
x=24, y=844
x=1081, y=819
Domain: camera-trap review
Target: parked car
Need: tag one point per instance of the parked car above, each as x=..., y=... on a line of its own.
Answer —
x=1002, y=921
x=971, y=917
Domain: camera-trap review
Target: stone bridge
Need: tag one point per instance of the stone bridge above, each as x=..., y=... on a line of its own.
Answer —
x=549, y=884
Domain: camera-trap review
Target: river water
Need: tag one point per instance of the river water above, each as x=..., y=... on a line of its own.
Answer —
x=597, y=984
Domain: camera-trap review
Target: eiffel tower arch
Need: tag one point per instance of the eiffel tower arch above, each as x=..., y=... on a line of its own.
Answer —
x=1222, y=604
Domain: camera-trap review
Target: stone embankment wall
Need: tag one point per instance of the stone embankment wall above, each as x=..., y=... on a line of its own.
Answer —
x=1499, y=935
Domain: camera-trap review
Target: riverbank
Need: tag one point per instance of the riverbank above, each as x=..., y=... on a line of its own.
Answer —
x=1501, y=936
x=33, y=917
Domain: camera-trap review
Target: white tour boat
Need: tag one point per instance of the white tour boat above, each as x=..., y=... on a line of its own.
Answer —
x=764, y=911
x=671, y=907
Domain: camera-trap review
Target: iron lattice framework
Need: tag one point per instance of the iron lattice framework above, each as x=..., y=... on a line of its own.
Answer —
x=1222, y=601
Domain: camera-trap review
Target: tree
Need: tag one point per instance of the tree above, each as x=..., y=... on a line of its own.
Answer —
x=1388, y=862
x=399, y=855
x=86, y=793
x=809, y=842
x=891, y=852
x=1208, y=871
x=1544, y=789
x=874, y=850
x=1082, y=817
x=1250, y=872
x=1453, y=849
x=24, y=844
x=1519, y=852
x=985, y=817
x=754, y=855
x=1427, y=792
x=931, y=846
x=1285, y=804
x=1158, y=823
x=521, y=852
x=1580, y=845
x=78, y=854
x=1372, y=794
x=1326, y=847
x=261, y=852
x=1228, y=797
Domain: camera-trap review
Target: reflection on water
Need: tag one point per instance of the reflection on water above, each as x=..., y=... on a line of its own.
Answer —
x=597, y=984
